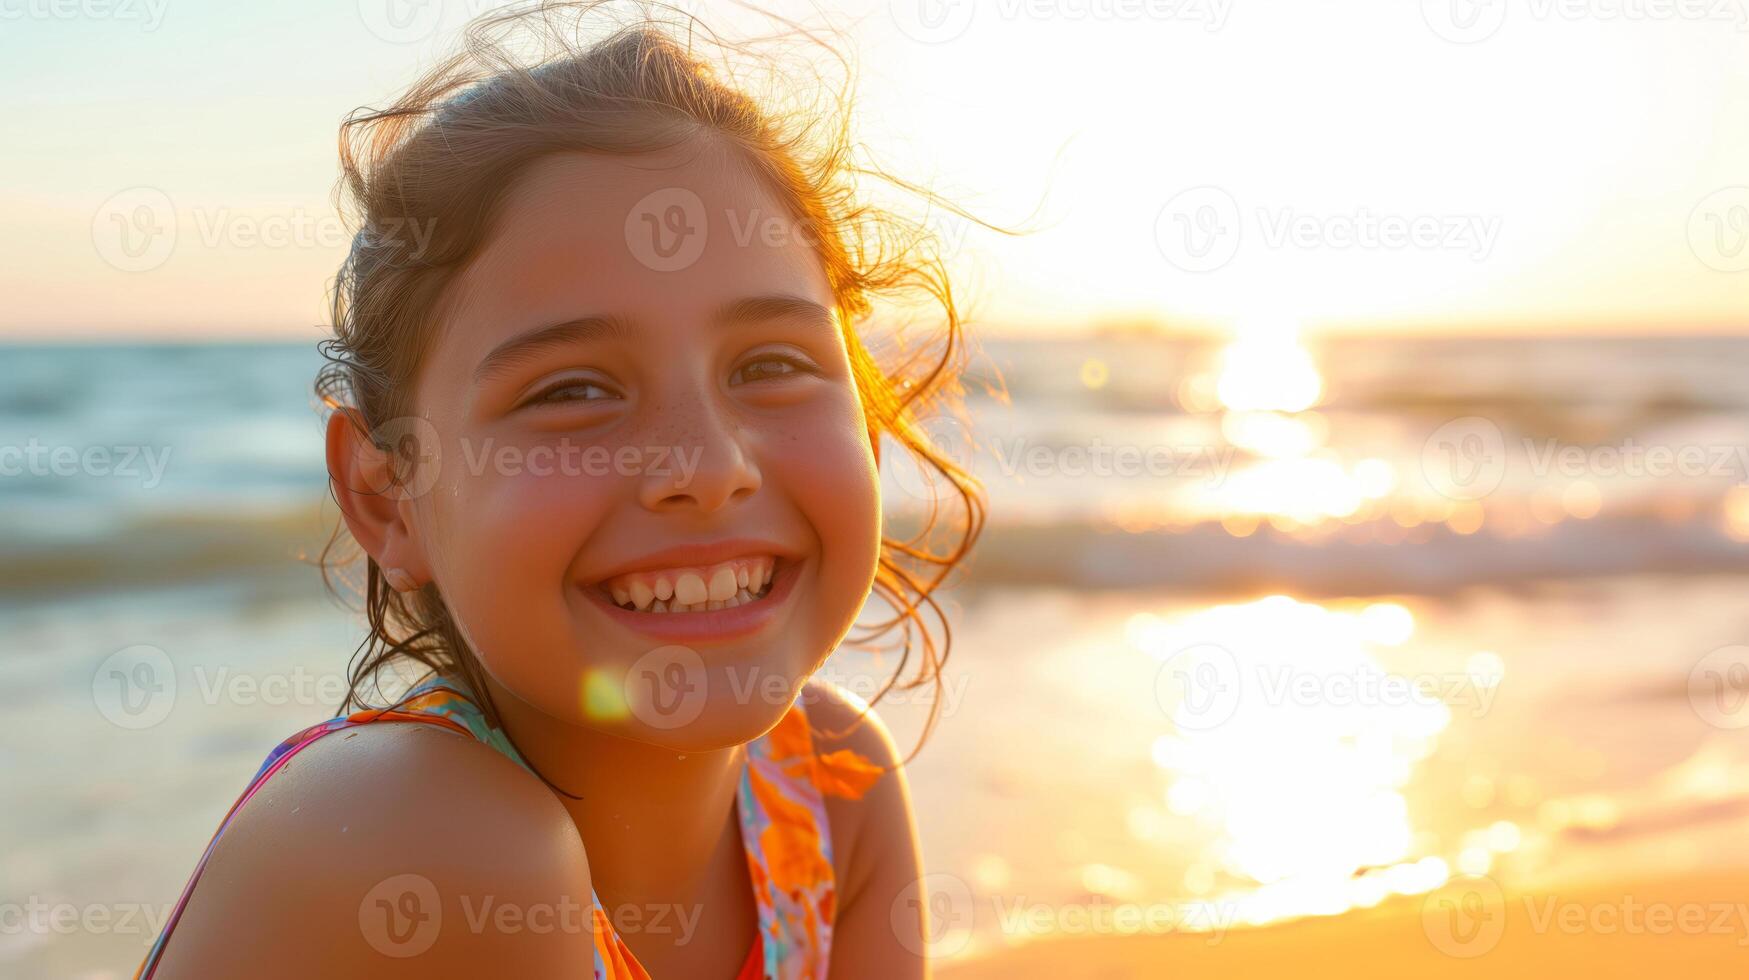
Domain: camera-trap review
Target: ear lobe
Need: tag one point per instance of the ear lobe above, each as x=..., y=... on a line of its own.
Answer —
x=372, y=495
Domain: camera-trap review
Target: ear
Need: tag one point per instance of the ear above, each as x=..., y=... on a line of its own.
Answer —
x=874, y=443
x=373, y=494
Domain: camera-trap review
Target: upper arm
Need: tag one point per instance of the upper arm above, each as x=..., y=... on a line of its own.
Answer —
x=879, y=929
x=391, y=850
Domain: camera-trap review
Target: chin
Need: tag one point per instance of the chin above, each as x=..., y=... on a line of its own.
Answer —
x=676, y=698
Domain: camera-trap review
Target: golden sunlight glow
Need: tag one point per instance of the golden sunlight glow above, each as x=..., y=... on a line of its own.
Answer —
x=1266, y=369
x=1306, y=490
x=1737, y=513
x=1267, y=385
x=603, y=697
x=1275, y=434
x=1312, y=718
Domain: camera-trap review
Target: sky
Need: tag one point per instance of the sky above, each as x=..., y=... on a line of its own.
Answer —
x=1434, y=165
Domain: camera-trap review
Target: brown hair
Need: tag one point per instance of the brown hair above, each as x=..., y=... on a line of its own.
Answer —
x=440, y=161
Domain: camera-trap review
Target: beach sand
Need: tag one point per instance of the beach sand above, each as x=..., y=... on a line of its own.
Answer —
x=1682, y=926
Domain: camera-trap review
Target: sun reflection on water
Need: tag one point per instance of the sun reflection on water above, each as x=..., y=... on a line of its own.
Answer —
x=1301, y=767
x=1265, y=392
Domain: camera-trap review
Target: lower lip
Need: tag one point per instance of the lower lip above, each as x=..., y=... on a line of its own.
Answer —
x=712, y=624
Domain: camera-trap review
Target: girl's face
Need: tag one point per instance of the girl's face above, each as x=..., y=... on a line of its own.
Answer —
x=655, y=505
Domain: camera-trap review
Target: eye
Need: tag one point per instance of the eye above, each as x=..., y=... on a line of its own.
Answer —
x=571, y=390
x=766, y=366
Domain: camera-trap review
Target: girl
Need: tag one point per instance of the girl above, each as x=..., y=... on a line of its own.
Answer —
x=606, y=435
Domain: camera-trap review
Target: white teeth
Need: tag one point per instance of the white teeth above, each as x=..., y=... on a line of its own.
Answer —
x=642, y=594
x=722, y=584
x=689, y=589
x=740, y=598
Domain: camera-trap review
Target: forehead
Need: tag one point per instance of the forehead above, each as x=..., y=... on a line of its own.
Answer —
x=660, y=239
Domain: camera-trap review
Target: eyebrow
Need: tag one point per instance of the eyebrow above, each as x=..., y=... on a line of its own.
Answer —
x=533, y=343
x=756, y=309
x=524, y=347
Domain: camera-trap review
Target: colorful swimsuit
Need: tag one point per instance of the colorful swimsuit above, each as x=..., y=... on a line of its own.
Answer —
x=780, y=802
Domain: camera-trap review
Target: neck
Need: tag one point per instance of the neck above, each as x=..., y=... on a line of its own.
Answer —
x=657, y=823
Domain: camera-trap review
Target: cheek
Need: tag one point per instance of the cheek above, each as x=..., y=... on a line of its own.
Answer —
x=509, y=529
x=830, y=472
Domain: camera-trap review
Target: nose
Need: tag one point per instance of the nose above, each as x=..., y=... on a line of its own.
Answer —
x=704, y=473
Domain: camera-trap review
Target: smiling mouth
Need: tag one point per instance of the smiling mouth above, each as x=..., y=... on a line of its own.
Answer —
x=694, y=588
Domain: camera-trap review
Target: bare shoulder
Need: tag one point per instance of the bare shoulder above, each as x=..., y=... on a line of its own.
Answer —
x=384, y=851
x=874, y=843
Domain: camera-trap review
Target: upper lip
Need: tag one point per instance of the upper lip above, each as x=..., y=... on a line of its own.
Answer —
x=696, y=554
